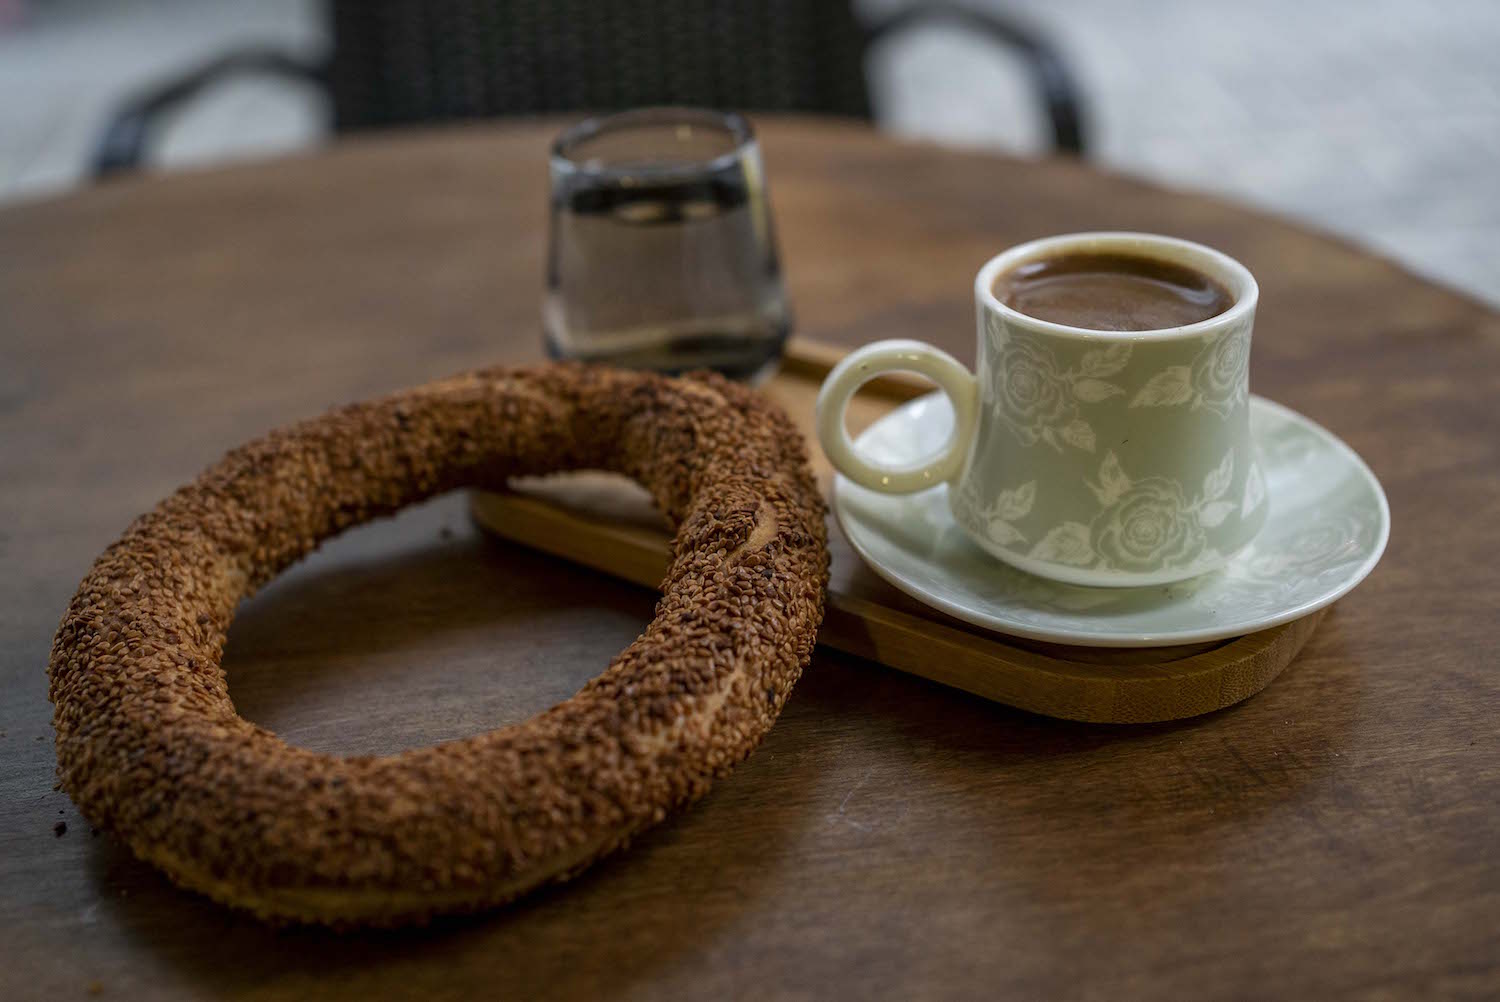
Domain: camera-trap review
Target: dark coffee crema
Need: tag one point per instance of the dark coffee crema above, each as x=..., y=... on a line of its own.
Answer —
x=1112, y=292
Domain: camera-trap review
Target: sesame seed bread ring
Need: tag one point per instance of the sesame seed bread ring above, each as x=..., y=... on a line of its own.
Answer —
x=149, y=745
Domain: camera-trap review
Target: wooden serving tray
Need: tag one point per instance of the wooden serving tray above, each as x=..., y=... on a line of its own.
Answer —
x=610, y=524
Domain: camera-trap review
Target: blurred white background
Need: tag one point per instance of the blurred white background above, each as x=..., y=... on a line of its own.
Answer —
x=1375, y=119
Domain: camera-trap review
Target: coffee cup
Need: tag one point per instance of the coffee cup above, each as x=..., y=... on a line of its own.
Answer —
x=1105, y=439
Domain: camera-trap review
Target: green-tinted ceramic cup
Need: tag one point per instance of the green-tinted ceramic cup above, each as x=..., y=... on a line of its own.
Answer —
x=1113, y=458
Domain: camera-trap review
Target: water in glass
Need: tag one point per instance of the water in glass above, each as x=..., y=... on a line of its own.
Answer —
x=662, y=253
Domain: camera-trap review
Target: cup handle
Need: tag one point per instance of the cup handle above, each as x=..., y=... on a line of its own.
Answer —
x=901, y=355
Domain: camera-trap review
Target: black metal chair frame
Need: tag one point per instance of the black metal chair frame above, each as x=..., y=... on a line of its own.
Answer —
x=135, y=123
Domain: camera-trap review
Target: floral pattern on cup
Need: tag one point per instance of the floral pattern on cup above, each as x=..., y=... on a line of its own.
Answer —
x=996, y=520
x=1215, y=379
x=1038, y=398
x=1142, y=525
x=1326, y=522
x=1255, y=491
x=1150, y=526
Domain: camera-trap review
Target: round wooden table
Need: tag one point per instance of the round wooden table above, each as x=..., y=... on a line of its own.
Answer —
x=1338, y=834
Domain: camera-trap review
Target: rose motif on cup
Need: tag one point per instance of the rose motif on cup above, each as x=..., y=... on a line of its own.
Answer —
x=1219, y=371
x=1143, y=525
x=1029, y=390
x=1150, y=526
x=1037, y=397
x=1215, y=379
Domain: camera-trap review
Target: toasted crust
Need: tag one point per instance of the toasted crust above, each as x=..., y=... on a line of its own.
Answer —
x=149, y=745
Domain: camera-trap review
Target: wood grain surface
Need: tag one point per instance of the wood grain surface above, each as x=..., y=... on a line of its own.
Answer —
x=609, y=523
x=1336, y=836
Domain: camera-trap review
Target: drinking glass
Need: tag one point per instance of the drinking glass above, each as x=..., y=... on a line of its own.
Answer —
x=662, y=254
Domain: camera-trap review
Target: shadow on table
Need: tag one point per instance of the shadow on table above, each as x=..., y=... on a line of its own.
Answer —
x=866, y=767
x=373, y=653
x=567, y=938
x=1058, y=808
x=1318, y=691
x=339, y=655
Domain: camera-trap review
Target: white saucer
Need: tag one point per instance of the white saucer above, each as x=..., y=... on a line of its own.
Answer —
x=1327, y=528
